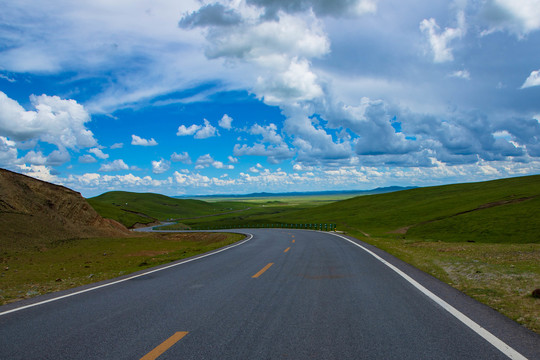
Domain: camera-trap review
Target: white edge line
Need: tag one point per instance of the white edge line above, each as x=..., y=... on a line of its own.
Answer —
x=126, y=279
x=489, y=337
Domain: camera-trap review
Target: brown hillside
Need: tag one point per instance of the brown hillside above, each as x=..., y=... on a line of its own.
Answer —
x=37, y=213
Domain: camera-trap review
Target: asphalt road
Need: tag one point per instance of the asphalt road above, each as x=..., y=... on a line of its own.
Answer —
x=284, y=294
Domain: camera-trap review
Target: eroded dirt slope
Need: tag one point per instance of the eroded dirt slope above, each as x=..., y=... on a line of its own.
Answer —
x=38, y=212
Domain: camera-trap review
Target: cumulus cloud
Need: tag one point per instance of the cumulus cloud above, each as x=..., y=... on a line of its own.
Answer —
x=137, y=140
x=211, y=15
x=182, y=157
x=518, y=16
x=40, y=172
x=294, y=84
x=312, y=142
x=187, y=131
x=161, y=166
x=94, y=181
x=439, y=41
x=55, y=121
x=232, y=160
x=116, y=165
x=275, y=154
x=335, y=8
x=8, y=151
x=99, y=153
x=268, y=133
x=198, y=131
x=117, y=146
x=58, y=157
x=206, y=131
x=532, y=80
x=87, y=159
x=226, y=122
x=207, y=160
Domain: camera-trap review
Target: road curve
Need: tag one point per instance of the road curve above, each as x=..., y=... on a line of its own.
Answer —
x=284, y=294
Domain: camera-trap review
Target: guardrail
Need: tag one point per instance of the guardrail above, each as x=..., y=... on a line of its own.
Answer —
x=320, y=226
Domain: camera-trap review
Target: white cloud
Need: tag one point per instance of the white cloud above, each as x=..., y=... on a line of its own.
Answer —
x=225, y=122
x=116, y=165
x=40, y=172
x=87, y=159
x=335, y=8
x=232, y=160
x=58, y=157
x=518, y=16
x=275, y=154
x=8, y=152
x=440, y=41
x=198, y=131
x=117, y=146
x=206, y=131
x=268, y=133
x=93, y=181
x=55, y=121
x=192, y=179
x=161, y=166
x=7, y=78
x=297, y=83
x=99, y=153
x=207, y=160
x=461, y=74
x=187, y=131
x=532, y=80
x=182, y=157
x=136, y=140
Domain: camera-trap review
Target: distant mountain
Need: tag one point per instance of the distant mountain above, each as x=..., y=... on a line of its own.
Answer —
x=36, y=212
x=380, y=190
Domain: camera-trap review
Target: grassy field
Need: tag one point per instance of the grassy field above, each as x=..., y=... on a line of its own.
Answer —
x=31, y=271
x=131, y=208
x=501, y=211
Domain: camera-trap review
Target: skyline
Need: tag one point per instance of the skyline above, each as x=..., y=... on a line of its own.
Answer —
x=244, y=96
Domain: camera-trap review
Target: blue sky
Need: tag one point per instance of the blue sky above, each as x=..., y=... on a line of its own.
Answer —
x=239, y=96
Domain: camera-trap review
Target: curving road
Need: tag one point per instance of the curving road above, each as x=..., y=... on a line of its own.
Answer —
x=282, y=294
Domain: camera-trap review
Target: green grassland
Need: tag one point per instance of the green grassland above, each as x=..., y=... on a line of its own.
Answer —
x=34, y=270
x=130, y=208
x=501, y=211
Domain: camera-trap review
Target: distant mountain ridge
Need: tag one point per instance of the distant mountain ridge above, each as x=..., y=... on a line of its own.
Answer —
x=379, y=190
x=37, y=212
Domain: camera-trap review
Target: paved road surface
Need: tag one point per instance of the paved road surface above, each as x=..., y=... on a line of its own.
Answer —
x=284, y=294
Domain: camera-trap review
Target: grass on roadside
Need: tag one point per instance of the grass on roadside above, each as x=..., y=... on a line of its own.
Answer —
x=501, y=276
x=26, y=273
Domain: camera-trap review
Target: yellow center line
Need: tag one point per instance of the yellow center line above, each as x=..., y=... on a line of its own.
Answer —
x=262, y=270
x=164, y=346
x=287, y=249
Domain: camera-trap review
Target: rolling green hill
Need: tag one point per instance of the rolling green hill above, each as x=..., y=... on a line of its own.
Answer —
x=131, y=208
x=499, y=211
